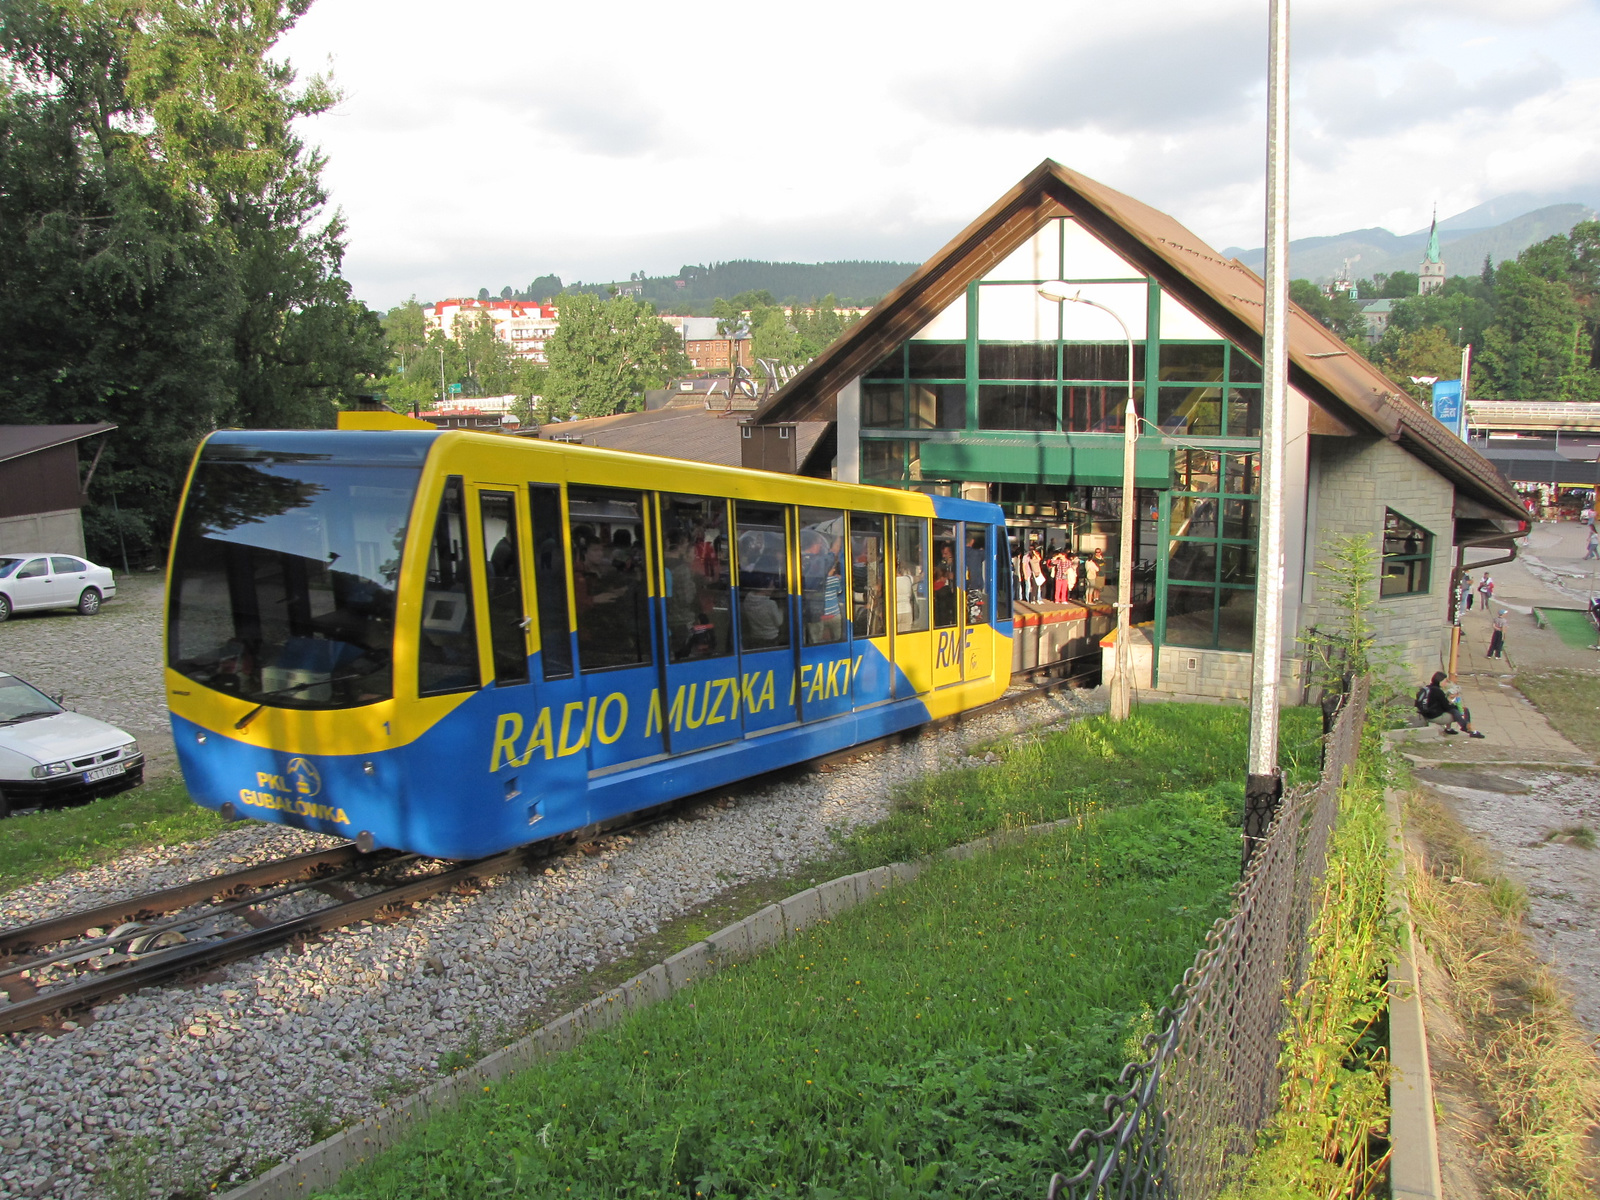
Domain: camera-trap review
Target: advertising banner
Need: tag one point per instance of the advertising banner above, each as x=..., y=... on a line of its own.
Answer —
x=1447, y=406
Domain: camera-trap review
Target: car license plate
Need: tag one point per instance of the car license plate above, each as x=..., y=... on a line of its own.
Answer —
x=107, y=772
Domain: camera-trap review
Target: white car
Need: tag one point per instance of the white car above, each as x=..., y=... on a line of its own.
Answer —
x=39, y=580
x=50, y=756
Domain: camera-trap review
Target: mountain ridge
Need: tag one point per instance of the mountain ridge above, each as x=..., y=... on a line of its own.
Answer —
x=1463, y=240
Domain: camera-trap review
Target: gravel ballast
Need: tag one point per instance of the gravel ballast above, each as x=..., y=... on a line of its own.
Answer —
x=178, y=1089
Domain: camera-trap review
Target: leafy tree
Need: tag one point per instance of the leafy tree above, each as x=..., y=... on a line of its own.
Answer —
x=1339, y=313
x=1426, y=351
x=1538, y=348
x=164, y=257
x=774, y=338
x=606, y=353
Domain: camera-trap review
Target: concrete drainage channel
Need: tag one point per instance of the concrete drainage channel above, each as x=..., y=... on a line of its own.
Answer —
x=321, y=1165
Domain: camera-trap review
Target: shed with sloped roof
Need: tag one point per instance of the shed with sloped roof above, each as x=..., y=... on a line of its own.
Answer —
x=42, y=488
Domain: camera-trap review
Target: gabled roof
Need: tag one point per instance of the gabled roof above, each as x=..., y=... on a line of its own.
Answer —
x=17, y=440
x=1226, y=294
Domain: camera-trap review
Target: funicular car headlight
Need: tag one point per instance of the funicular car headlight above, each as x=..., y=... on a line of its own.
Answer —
x=46, y=770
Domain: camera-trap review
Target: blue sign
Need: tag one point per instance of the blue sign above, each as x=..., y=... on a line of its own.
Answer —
x=1447, y=407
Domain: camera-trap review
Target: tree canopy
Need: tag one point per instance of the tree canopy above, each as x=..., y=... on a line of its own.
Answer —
x=605, y=354
x=166, y=260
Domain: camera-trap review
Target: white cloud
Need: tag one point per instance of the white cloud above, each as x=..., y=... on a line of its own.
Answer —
x=482, y=145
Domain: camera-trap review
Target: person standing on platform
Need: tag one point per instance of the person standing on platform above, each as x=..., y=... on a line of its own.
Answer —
x=1072, y=575
x=1486, y=590
x=1466, y=593
x=1093, y=576
x=1058, y=569
x=1497, y=640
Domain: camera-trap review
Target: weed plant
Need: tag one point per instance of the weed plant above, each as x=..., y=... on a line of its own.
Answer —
x=1326, y=1140
x=947, y=1040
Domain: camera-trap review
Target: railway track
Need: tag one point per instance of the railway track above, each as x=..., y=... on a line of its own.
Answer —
x=117, y=948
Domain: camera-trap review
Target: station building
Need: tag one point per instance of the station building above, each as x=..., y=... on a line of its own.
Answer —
x=967, y=380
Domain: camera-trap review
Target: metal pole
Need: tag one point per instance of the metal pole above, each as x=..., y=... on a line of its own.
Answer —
x=1264, y=783
x=1122, y=660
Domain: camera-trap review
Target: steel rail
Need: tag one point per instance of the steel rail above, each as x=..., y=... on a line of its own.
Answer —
x=55, y=929
x=156, y=968
x=13, y=968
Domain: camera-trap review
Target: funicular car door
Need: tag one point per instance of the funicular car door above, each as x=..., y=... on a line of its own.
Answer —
x=825, y=653
x=617, y=717
x=765, y=611
x=949, y=604
x=521, y=758
x=871, y=664
x=699, y=662
x=977, y=636
x=913, y=643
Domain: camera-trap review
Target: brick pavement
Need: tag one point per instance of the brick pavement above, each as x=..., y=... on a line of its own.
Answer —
x=107, y=666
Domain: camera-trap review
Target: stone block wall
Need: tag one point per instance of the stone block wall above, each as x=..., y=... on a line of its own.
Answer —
x=1187, y=674
x=1353, y=481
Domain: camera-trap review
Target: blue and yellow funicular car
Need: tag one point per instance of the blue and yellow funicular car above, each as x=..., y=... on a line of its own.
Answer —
x=455, y=643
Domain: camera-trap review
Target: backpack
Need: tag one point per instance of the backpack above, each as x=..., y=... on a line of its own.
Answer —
x=1421, y=700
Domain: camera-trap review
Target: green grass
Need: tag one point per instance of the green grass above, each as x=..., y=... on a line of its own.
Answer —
x=1571, y=625
x=1570, y=700
x=42, y=845
x=1098, y=762
x=948, y=1040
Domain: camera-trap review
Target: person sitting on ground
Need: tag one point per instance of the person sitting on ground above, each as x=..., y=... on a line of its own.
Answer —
x=1437, y=706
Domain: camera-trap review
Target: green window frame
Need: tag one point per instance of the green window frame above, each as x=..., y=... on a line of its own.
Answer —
x=1407, y=557
x=1207, y=389
x=1213, y=527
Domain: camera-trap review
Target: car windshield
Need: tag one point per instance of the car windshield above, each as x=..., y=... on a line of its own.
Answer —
x=22, y=702
x=283, y=581
x=8, y=565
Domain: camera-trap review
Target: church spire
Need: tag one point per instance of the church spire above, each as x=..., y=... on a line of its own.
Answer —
x=1433, y=237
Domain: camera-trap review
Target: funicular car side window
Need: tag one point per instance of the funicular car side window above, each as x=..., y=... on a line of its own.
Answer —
x=550, y=580
x=696, y=578
x=910, y=575
x=447, y=653
x=977, y=568
x=868, y=612
x=763, y=576
x=503, y=568
x=946, y=581
x=822, y=582
x=608, y=577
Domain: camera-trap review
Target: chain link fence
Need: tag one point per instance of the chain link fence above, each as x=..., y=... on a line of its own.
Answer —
x=1186, y=1119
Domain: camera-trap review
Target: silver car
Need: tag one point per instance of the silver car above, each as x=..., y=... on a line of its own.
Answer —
x=40, y=580
x=51, y=756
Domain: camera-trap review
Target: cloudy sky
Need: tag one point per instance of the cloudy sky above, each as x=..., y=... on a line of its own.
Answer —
x=480, y=144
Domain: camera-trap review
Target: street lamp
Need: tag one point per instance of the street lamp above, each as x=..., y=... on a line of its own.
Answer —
x=1122, y=659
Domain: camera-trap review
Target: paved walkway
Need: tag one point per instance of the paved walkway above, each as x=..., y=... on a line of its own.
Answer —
x=1514, y=731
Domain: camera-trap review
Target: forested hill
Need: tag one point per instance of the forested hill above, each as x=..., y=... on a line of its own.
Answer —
x=852, y=283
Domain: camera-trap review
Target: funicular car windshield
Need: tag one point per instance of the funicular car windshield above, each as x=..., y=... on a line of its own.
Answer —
x=285, y=570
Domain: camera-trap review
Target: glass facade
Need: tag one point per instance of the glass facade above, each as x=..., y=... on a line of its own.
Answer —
x=1212, y=523
x=1004, y=369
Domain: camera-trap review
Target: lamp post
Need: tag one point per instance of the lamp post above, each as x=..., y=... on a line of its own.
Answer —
x=1122, y=658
